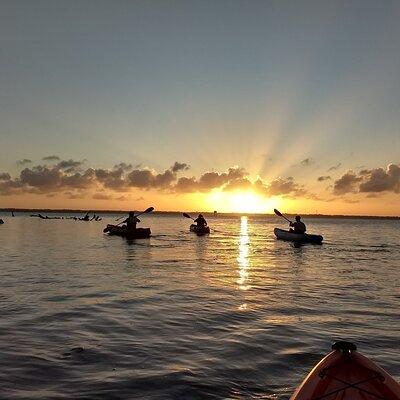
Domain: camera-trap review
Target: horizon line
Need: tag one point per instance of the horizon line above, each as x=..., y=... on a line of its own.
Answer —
x=106, y=211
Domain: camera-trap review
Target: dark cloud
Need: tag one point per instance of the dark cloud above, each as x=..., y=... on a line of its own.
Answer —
x=123, y=166
x=179, y=167
x=9, y=187
x=41, y=177
x=323, y=178
x=281, y=186
x=335, y=167
x=51, y=158
x=113, y=179
x=186, y=185
x=347, y=183
x=307, y=162
x=381, y=180
x=374, y=180
x=79, y=180
x=24, y=161
x=5, y=176
x=149, y=179
x=69, y=165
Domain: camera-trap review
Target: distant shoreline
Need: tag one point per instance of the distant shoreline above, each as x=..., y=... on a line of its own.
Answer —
x=79, y=211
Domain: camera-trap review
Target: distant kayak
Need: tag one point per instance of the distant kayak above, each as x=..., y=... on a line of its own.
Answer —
x=346, y=374
x=199, y=230
x=297, y=237
x=139, y=233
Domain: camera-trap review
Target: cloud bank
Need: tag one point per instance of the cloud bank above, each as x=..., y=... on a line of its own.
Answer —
x=72, y=179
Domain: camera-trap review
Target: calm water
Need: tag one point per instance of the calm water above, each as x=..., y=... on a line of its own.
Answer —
x=236, y=315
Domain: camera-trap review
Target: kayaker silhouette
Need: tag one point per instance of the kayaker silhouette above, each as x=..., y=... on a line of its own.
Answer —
x=131, y=221
x=298, y=226
x=200, y=221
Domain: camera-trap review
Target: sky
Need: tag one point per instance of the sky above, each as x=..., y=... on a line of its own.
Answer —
x=236, y=106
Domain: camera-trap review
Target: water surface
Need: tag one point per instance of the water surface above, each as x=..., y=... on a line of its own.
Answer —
x=233, y=315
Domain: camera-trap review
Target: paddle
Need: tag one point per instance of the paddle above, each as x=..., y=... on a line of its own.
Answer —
x=279, y=214
x=188, y=216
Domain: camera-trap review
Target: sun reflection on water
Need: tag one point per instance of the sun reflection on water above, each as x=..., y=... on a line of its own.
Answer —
x=243, y=258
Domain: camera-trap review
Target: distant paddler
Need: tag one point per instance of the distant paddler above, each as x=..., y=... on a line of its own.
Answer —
x=1, y=221
x=297, y=231
x=130, y=222
x=200, y=227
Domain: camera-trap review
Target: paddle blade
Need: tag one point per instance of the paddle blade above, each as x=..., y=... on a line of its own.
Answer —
x=187, y=215
x=278, y=213
x=150, y=209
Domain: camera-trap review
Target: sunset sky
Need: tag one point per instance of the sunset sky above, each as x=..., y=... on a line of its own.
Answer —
x=240, y=106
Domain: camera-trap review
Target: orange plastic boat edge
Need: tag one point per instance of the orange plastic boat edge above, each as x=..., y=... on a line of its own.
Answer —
x=345, y=374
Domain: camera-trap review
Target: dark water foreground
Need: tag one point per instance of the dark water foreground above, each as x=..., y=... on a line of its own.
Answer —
x=236, y=315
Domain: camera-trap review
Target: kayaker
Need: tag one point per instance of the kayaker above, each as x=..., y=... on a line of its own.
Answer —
x=131, y=221
x=298, y=226
x=200, y=221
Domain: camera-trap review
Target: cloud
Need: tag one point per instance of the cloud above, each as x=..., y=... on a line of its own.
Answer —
x=41, y=177
x=374, y=180
x=179, y=167
x=24, y=161
x=307, y=162
x=71, y=179
x=10, y=187
x=381, y=180
x=102, y=196
x=323, y=178
x=335, y=167
x=5, y=176
x=74, y=195
x=69, y=164
x=123, y=166
x=51, y=158
x=186, y=185
x=347, y=183
x=211, y=180
x=150, y=179
x=281, y=186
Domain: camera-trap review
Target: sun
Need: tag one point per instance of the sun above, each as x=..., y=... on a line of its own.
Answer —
x=246, y=202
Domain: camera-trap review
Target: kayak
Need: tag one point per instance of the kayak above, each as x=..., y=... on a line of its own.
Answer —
x=199, y=230
x=345, y=374
x=297, y=237
x=138, y=233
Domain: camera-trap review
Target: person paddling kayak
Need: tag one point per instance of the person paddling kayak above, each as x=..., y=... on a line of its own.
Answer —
x=298, y=226
x=131, y=221
x=200, y=221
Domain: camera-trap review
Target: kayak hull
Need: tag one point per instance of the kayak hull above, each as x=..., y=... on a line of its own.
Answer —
x=347, y=375
x=199, y=231
x=297, y=237
x=138, y=233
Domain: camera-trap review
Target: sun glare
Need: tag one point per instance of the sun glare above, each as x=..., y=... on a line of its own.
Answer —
x=246, y=202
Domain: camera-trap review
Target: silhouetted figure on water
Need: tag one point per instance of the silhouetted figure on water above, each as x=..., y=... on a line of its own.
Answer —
x=131, y=221
x=298, y=226
x=85, y=218
x=200, y=221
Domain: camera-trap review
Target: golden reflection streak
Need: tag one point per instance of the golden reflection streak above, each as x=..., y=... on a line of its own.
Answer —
x=243, y=259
